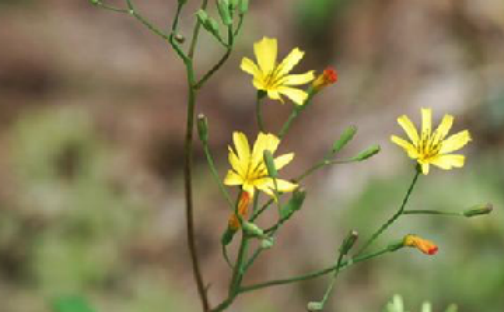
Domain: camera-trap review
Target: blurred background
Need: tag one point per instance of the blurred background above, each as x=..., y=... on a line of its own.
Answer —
x=92, y=110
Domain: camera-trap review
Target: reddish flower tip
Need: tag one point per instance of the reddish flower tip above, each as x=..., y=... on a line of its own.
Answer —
x=328, y=77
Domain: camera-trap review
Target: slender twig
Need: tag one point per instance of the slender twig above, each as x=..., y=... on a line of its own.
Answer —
x=196, y=31
x=215, y=175
x=295, y=113
x=344, y=265
x=394, y=217
x=434, y=212
x=111, y=8
x=260, y=122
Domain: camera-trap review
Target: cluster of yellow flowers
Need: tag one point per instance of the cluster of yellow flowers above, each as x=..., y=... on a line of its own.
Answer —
x=248, y=167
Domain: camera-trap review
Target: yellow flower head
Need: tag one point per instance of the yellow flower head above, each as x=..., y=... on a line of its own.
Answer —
x=249, y=169
x=430, y=147
x=274, y=78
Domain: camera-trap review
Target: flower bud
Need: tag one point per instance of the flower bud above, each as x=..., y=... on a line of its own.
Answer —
x=328, y=77
x=349, y=242
x=252, y=229
x=425, y=246
x=478, y=210
x=294, y=204
x=243, y=203
x=267, y=243
x=343, y=140
x=315, y=306
x=243, y=6
x=203, y=128
x=224, y=12
x=95, y=2
x=270, y=164
x=227, y=236
x=367, y=153
x=208, y=23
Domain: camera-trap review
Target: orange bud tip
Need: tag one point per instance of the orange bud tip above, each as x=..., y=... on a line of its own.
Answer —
x=432, y=251
x=328, y=77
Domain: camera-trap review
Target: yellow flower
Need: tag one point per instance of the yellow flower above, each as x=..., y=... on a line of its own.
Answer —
x=431, y=147
x=273, y=78
x=249, y=169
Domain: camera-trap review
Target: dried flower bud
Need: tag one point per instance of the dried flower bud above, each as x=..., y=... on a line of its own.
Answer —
x=234, y=222
x=179, y=38
x=478, y=210
x=425, y=246
x=328, y=77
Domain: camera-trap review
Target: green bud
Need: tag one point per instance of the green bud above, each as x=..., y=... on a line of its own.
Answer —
x=267, y=243
x=349, y=242
x=252, y=229
x=294, y=204
x=367, y=153
x=182, y=2
x=203, y=128
x=243, y=6
x=227, y=236
x=343, y=140
x=315, y=306
x=202, y=17
x=270, y=164
x=95, y=2
x=224, y=12
x=208, y=23
x=478, y=210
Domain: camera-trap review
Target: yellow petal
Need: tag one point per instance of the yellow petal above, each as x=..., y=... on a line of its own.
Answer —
x=409, y=128
x=264, y=142
x=274, y=95
x=293, y=80
x=266, y=54
x=408, y=147
x=455, y=142
x=426, y=121
x=448, y=162
x=444, y=127
x=267, y=185
x=239, y=166
x=296, y=95
x=283, y=160
x=248, y=66
x=289, y=62
x=285, y=186
x=249, y=188
x=425, y=168
x=242, y=146
x=232, y=178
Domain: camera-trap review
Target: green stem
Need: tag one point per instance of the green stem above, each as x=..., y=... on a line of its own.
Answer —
x=111, y=8
x=295, y=113
x=394, y=217
x=239, y=266
x=252, y=259
x=321, y=165
x=260, y=122
x=434, y=212
x=215, y=175
x=344, y=265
